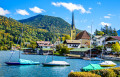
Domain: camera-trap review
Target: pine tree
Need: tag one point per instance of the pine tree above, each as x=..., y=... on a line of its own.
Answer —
x=96, y=32
x=110, y=31
x=115, y=32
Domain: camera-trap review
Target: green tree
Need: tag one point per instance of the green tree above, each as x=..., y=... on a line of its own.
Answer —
x=115, y=32
x=100, y=33
x=116, y=47
x=99, y=47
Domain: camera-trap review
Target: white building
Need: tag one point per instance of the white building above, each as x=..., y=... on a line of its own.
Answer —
x=44, y=47
x=99, y=40
x=110, y=41
x=72, y=43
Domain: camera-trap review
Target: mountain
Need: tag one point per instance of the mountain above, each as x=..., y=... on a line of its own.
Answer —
x=11, y=29
x=50, y=23
x=40, y=27
x=118, y=32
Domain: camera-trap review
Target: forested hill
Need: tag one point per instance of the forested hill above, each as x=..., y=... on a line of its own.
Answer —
x=11, y=29
x=50, y=23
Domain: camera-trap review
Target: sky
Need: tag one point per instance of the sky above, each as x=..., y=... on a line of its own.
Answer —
x=87, y=13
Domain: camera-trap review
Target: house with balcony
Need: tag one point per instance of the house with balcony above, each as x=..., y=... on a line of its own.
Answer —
x=98, y=40
x=110, y=41
x=72, y=43
x=44, y=47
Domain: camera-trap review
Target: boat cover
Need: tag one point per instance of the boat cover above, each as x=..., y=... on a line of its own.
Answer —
x=92, y=67
x=23, y=61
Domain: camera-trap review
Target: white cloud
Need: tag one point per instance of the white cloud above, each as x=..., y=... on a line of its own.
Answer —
x=103, y=24
x=109, y=14
x=71, y=7
x=99, y=3
x=3, y=12
x=88, y=26
x=22, y=12
x=107, y=17
x=37, y=10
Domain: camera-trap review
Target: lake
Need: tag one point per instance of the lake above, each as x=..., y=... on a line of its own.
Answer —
x=40, y=70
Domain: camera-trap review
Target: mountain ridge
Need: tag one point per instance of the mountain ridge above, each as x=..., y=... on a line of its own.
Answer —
x=118, y=32
x=50, y=23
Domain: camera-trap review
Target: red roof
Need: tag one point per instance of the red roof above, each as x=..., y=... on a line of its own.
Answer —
x=83, y=35
x=116, y=37
x=43, y=42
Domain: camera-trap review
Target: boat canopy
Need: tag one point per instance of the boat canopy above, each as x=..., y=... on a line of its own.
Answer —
x=23, y=61
x=92, y=67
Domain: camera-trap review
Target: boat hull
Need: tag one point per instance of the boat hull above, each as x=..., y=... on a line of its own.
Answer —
x=111, y=65
x=47, y=64
x=12, y=63
x=18, y=63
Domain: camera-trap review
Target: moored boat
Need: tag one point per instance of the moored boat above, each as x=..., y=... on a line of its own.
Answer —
x=108, y=64
x=91, y=67
x=23, y=62
x=96, y=59
x=86, y=58
x=56, y=63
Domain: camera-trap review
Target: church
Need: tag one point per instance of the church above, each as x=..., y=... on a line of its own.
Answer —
x=82, y=37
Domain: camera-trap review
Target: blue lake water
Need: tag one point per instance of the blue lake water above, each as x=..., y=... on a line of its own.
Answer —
x=39, y=70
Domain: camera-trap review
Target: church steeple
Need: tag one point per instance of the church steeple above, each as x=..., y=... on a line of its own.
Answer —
x=73, y=31
x=73, y=25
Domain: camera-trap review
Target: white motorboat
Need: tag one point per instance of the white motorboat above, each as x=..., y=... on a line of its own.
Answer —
x=107, y=64
x=56, y=63
x=96, y=59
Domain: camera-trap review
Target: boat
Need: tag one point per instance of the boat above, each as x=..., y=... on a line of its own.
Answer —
x=21, y=61
x=56, y=63
x=107, y=64
x=96, y=59
x=91, y=67
x=86, y=58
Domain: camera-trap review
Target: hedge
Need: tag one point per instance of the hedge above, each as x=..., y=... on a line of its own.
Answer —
x=116, y=70
x=83, y=74
x=105, y=72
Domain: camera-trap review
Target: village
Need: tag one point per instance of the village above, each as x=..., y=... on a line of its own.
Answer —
x=79, y=45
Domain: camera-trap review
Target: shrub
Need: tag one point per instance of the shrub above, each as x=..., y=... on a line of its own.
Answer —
x=105, y=72
x=82, y=74
x=116, y=70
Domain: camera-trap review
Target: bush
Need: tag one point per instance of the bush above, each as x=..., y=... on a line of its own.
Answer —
x=56, y=53
x=105, y=72
x=116, y=70
x=82, y=74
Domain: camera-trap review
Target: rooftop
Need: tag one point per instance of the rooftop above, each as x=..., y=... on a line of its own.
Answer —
x=72, y=41
x=83, y=35
x=81, y=49
x=43, y=41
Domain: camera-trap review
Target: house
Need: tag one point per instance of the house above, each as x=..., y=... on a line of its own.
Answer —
x=27, y=50
x=85, y=52
x=98, y=40
x=72, y=43
x=111, y=40
x=44, y=47
x=57, y=42
x=84, y=38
